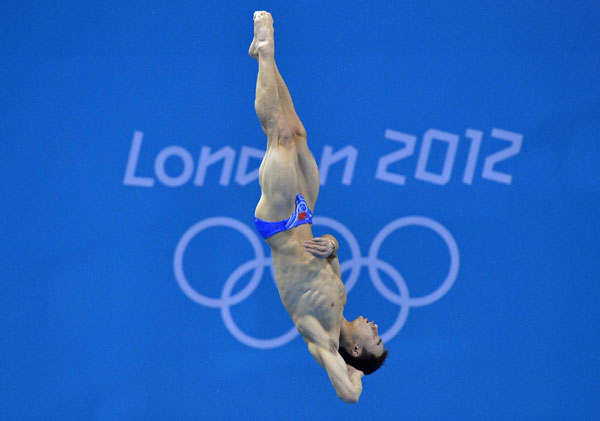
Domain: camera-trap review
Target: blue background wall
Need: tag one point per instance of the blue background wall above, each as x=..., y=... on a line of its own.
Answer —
x=94, y=322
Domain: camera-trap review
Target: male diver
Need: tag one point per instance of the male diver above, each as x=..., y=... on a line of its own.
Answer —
x=307, y=269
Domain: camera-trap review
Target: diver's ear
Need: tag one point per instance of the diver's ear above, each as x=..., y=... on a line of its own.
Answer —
x=355, y=350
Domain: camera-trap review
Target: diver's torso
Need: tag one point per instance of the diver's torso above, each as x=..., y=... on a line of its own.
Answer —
x=307, y=285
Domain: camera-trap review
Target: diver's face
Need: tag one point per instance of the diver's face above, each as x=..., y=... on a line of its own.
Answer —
x=365, y=334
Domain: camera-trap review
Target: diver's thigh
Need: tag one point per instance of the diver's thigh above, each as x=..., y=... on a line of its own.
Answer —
x=309, y=174
x=278, y=176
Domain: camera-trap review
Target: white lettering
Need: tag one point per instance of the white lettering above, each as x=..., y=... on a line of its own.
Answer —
x=475, y=136
x=382, y=172
x=349, y=154
x=242, y=177
x=227, y=154
x=130, y=178
x=328, y=158
x=421, y=173
x=159, y=166
x=516, y=140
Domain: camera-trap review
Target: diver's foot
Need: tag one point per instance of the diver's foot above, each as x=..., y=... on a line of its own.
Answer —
x=263, y=42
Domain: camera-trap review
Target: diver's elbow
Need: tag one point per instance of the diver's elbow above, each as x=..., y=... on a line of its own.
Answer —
x=348, y=397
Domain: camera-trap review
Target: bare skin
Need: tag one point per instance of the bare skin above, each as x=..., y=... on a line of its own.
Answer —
x=307, y=269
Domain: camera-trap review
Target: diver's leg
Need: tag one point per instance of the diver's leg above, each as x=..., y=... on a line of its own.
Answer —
x=277, y=175
x=287, y=105
x=308, y=181
x=267, y=104
x=283, y=128
x=308, y=172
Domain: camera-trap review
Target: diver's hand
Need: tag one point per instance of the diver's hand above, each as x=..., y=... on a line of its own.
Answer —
x=319, y=247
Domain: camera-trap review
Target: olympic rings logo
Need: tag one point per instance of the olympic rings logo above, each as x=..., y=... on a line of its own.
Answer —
x=354, y=265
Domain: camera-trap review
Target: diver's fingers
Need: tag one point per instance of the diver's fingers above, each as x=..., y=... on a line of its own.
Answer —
x=312, y=243
x=317, y=251
x=313, y=247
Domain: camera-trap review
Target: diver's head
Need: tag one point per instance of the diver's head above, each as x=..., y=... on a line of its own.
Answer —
x=361, y=346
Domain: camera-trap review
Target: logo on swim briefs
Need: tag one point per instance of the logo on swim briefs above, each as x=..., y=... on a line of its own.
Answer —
x=354, y=265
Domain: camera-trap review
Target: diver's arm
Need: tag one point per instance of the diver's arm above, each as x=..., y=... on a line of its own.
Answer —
x=345, y=379
x=347, y=382
x=335, y=264
x=333, y=257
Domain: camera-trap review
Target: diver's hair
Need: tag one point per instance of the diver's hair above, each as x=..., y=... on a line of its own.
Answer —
x=366, y=362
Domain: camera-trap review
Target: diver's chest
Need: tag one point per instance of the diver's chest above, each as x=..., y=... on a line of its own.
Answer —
x=326, y=296
x=323, y=293
x=324, y=301
x=310, y=284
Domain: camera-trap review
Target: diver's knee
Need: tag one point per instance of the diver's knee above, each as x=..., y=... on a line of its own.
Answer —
x=280, y=131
